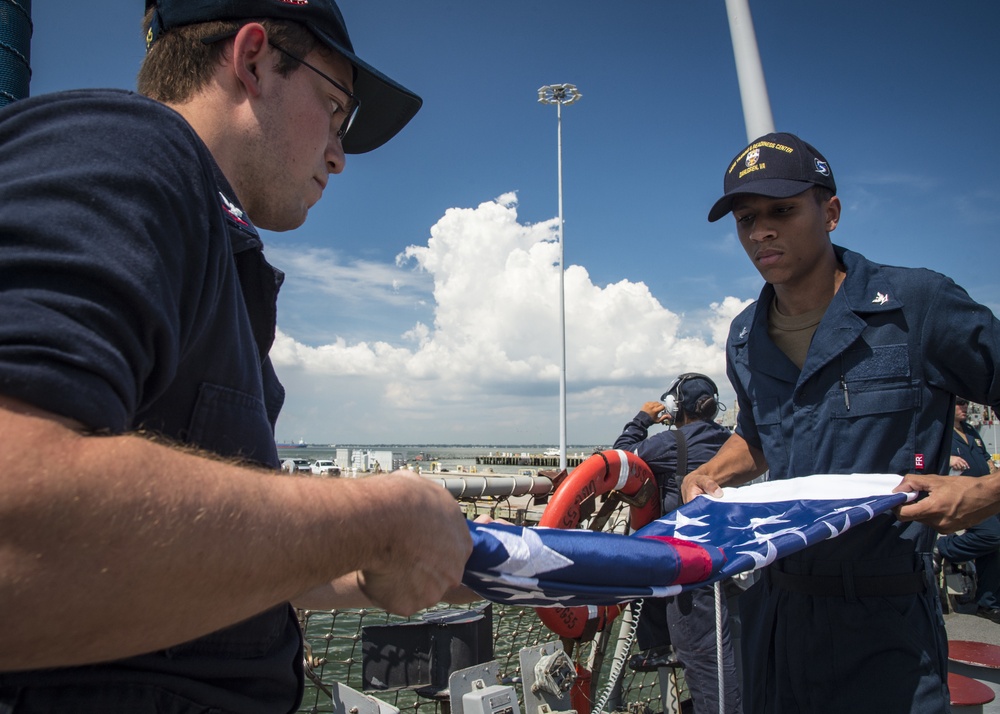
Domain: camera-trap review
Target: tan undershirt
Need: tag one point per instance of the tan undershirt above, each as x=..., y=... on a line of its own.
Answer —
x=792, y=335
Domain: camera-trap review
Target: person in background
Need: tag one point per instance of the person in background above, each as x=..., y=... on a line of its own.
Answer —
x=842, y=365
x=686, y=620
x=981, y=541
x=149, y=549
x=953, y=503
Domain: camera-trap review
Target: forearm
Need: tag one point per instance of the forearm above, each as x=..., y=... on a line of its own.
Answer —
x=345, y=593
x=165, y=545
x=342, y=592
x=736, y=463
x=634, y=432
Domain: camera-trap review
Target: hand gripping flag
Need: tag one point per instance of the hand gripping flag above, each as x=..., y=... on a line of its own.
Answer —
x=703, y=541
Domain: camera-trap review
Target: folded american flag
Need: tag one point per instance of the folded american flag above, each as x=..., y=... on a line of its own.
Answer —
x=703, y=541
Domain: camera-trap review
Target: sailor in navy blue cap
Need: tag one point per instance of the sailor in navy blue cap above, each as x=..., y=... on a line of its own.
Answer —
x=162, y=545
x=844, y=366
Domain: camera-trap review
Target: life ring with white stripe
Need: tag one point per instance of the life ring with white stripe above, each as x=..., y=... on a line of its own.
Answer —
x=604, y=472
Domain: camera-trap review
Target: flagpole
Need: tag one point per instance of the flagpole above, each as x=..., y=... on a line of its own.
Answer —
x=749, y=71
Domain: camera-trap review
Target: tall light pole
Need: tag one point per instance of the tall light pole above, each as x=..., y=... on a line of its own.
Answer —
x=560, y=94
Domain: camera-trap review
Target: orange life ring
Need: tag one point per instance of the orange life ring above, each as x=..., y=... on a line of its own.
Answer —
x=605, y=471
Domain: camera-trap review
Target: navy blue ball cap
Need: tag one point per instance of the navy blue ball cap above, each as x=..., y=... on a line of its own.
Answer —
x=690, y=387
x=386, y=105
x=775, y=165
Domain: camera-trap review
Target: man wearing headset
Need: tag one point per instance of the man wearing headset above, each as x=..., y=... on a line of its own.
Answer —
x=689, y=404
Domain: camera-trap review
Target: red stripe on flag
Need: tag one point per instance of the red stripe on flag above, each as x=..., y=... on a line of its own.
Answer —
x=696, y=563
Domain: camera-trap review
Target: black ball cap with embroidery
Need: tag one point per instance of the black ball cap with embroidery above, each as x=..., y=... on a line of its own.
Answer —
x=776, y=165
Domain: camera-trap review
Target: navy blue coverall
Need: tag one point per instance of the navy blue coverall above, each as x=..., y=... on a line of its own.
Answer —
x=149, y=305
x=690, y=616
x=854, y=623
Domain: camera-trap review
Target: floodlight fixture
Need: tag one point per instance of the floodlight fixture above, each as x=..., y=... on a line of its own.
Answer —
x=558, y=94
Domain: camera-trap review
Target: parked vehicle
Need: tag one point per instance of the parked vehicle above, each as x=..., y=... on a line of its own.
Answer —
x=295, y=465
x=325, y=467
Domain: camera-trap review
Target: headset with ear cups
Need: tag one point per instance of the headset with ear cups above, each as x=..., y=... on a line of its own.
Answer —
x=673, y=399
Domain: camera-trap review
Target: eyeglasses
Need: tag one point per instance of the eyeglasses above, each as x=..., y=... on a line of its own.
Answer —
x=350, y=111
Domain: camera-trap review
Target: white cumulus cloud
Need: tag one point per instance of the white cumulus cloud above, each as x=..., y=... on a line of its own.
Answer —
x=486, y=370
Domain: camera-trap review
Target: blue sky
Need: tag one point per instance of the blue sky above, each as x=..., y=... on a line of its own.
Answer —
x=421, y=303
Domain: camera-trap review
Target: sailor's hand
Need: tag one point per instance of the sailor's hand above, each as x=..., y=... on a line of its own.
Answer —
x=421, y=551
x=656, y=411
x=951, y=502
x=697, y=483
x=957, y=463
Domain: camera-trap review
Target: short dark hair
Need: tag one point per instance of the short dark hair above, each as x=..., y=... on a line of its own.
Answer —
x=704, y=409
x=179, y=64
x=822, y=194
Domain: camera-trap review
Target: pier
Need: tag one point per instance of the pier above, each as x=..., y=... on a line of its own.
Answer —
x=536, y=460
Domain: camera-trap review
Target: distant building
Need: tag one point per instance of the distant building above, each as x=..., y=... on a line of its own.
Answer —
x=372, y=460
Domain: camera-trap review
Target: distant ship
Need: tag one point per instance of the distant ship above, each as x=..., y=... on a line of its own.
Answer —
x=300, y=444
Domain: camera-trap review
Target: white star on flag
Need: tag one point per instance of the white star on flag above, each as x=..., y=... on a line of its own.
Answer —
x=772, y=520
x=761, y=560
x=680, y=520
x=527, y=555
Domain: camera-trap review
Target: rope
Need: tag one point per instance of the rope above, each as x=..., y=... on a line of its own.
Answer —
x=15, y=50
x=719, y=667
x=626, y=636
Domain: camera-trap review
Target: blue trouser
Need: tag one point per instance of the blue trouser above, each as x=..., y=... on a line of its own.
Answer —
x=688, y=622
x=829, y=654
x=979, y=543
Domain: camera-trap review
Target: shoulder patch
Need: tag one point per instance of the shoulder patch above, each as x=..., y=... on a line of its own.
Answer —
x=232, y=211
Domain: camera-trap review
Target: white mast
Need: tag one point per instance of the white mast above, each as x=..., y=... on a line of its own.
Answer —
x=753, y=90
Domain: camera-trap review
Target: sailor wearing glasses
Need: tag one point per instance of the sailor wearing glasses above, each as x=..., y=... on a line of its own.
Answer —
x=150, y=565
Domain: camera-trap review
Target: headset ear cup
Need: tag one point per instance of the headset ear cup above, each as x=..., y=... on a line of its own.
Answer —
x=679, y=398
x=671, y=406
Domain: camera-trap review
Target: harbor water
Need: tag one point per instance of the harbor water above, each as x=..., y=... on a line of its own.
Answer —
x=504, y=460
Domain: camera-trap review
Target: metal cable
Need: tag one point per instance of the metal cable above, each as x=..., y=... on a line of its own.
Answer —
x=626, y=636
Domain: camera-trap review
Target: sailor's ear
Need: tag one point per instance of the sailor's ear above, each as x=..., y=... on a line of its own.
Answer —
x=832, y=213
x=252, y=61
